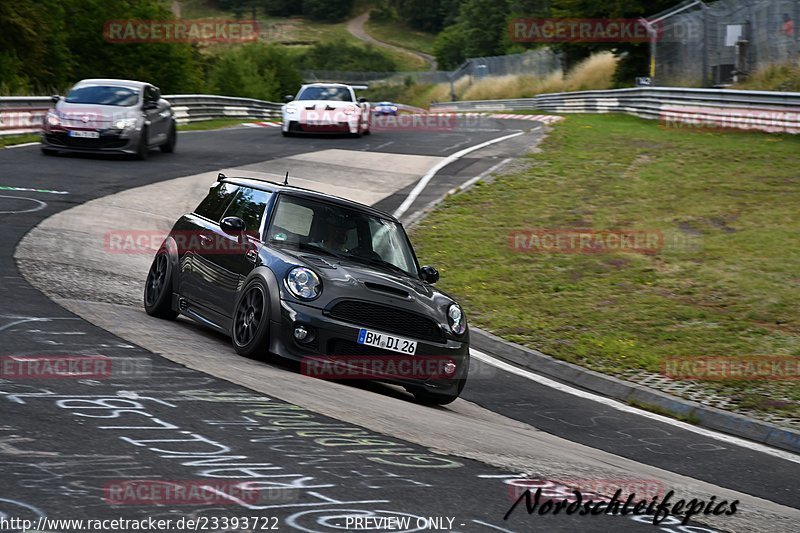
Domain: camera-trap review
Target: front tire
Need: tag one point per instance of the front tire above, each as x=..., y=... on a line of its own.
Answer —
x=143, y=150
x=172, y=138
x=427, y=397
x=250, y=327
x=158, y=288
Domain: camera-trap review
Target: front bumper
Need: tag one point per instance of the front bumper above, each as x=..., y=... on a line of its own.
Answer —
x=294, y=126
x=332, y=338
x=109, y=141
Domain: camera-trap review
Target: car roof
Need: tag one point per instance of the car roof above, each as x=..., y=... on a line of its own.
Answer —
x=110, y=81
x=292, y=190
x=324, y=84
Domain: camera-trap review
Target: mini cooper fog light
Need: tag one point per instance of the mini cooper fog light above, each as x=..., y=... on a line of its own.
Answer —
x=449, y=368
x=300, y=332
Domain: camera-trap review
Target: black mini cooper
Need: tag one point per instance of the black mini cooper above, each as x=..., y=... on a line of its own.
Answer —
x=314, y=278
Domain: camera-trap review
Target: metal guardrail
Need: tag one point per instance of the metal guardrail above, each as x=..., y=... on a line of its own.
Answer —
x=24, y=114
x=763, y=110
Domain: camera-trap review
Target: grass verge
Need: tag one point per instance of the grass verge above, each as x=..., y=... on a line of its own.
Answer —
x=11, y=140
x=724, y=284
x=214, y=124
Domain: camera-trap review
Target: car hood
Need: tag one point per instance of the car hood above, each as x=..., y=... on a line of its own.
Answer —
x=322, y=105
x=347, y=279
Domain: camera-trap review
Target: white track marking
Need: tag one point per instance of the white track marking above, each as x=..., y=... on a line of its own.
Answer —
x=415, y=192
x=23, y=144
x=730, y=439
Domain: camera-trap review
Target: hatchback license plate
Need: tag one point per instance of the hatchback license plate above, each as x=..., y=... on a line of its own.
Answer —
x=386, y=341
x=84, y=134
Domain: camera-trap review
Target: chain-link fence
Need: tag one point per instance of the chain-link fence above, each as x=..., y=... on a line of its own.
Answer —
x=540, y=62
x=716, y=44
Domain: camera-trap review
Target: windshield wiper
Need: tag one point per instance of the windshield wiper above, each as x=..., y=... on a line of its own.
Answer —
x=319, y=249
x=379, y=262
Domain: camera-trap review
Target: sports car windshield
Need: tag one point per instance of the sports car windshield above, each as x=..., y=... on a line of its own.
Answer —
x=338, y=94
x=103, y=95
x=330, y=229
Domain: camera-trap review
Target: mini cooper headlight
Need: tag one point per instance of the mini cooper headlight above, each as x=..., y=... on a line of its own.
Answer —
x=457, y=320
x=303, y=283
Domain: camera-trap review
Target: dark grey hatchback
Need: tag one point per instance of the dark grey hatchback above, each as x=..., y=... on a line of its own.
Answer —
x=314, y=278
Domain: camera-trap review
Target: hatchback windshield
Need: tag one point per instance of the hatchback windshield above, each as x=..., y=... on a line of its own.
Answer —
x=334, y=230
x=103, y=95
x=339, y=94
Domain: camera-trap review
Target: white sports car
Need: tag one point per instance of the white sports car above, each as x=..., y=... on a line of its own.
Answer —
x=326, y=108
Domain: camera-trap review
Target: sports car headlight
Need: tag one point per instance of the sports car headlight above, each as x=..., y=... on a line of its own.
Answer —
x=456, y=319
x=125, y=123
x=303, y=283
x=291, y=109
x=52, y=119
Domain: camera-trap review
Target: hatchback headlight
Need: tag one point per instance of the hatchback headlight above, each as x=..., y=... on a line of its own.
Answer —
x=125, y=123
x=52, y=118
x=456, y=319
x=303, y=283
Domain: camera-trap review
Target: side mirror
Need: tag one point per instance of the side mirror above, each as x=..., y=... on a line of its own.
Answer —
x=149, y=104
x=429, y=274
x=232, y=225
x=55, y=98
x=288, y=98
x=362, y=100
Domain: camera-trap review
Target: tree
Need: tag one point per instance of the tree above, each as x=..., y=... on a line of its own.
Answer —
x=449, y=47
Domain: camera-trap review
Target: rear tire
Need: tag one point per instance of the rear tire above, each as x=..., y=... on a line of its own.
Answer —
x=172, y=138
x=158, y=288
x=250, y=325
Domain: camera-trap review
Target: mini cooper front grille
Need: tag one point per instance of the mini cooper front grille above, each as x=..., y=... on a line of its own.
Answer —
x=388, y=319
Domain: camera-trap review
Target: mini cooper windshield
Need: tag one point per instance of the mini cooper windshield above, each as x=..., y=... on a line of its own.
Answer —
x=334, y=230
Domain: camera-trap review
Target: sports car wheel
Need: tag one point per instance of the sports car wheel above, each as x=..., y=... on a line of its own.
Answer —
x=172, y=137
x=158, y=288
x=143, y=150
x=250, y=328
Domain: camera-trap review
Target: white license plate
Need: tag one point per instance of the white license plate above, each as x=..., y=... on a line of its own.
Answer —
x=386, y=341
x=84, y=134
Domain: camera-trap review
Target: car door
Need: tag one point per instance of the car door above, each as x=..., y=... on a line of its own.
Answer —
x=192, y=233
x=232, y=256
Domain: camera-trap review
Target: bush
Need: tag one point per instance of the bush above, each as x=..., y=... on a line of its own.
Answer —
x=341, y=55
x=449, y=47
x=327, y=10
x=254, y=70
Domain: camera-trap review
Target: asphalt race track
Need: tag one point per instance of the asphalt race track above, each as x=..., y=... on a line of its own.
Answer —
x=185, y=407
